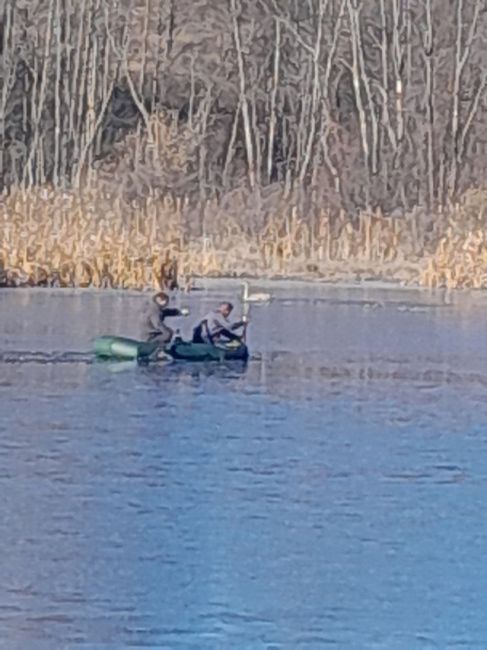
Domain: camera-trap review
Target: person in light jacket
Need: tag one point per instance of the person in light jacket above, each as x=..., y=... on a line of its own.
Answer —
x=215, y=327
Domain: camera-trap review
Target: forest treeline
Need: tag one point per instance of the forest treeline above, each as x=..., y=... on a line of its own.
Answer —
x=366, y=103
x=276, y=136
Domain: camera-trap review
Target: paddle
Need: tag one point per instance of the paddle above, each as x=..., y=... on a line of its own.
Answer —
x=244, y=334
x=245, y=322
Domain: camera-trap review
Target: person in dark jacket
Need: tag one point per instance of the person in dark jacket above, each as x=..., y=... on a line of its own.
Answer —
x=216, y=328
x=154, y=326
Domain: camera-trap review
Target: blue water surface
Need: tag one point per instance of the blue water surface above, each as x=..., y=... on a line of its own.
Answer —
x=330, y=494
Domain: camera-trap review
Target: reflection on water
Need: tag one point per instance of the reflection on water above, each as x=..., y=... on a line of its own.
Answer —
x=330, y=493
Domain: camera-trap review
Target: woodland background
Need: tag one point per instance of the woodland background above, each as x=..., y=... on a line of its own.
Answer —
x=334, y=138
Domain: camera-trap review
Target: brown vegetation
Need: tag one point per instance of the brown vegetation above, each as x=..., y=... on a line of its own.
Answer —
x=328, y=137
x=460, y=257
x=87, y=240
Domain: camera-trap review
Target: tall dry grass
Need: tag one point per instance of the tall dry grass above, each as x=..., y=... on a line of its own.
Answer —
x=460, y=257
x=91, y=239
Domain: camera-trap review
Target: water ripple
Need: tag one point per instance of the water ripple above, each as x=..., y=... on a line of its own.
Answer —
x=330, y=493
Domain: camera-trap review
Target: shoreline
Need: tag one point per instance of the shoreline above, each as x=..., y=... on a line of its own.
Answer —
x=375, y=292
x=203, y=283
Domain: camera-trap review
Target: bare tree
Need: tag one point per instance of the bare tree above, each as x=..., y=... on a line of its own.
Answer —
x=353, y=103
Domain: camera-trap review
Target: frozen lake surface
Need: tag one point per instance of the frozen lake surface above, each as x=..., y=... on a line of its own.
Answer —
x=330, y=494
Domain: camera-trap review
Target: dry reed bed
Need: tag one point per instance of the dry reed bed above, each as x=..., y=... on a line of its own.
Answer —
x=460, y=261
x=460, y=257
x=90, y=239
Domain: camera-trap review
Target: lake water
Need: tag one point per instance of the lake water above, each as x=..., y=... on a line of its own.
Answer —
x=330, y=494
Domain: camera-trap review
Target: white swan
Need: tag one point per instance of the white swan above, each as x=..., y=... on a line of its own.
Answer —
x=254, y=297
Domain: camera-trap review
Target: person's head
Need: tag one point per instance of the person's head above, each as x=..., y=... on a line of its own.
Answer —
x=226, y=309
x=161, y=299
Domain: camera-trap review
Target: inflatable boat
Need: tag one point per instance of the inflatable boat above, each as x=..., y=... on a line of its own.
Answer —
x=183, y=350
x=118, y=347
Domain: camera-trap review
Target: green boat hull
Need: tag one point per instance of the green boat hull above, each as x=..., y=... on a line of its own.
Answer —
x=118, y=347
x=182, y=350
